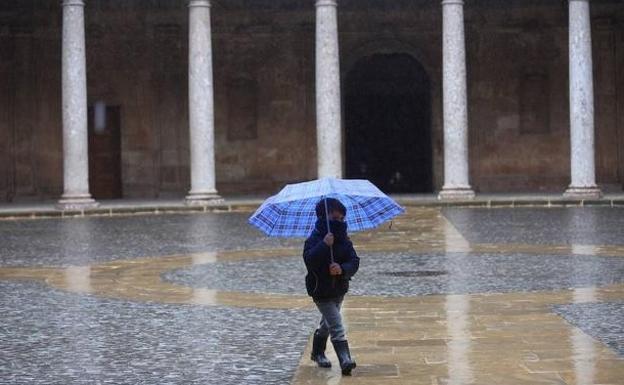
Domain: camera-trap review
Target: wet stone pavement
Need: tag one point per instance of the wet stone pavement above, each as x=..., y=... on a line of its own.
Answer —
x=556, y=225
x=461, y=296
x=80, y=241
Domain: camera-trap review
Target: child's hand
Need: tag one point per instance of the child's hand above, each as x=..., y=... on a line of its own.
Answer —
x=329, y=239
x=335, y=269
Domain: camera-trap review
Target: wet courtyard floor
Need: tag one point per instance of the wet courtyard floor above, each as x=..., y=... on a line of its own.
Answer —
x=443, y=296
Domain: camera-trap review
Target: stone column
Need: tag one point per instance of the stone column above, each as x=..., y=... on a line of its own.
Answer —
x=456, y=185
x=74, y=98
x=328, y=115
x=582, y=155
x=201, y=106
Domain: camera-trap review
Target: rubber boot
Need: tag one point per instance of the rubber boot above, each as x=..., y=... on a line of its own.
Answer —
x=344, y=356
x=318, y=350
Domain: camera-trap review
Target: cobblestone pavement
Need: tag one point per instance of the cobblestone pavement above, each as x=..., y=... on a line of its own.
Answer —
x=82, y=241
x=55, y=337
x=444, y=296
x=604, y=321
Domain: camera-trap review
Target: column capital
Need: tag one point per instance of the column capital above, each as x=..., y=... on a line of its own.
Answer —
x=199, y=3
x=452, y=2
x=74, y=3
x=326, y=3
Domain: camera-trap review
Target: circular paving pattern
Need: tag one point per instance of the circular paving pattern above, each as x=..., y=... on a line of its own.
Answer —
x=408, y=274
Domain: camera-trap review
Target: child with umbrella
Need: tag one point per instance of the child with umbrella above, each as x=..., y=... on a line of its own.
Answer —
x=331, y=261
x=317, y=209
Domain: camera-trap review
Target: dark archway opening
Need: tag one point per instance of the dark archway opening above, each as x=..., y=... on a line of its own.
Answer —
x=105, y=152
x=388, y=123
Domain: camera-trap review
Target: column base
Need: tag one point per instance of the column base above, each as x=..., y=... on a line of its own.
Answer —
x=456, y=194
x=203, y=198
x=76, y=202
x=586, y=192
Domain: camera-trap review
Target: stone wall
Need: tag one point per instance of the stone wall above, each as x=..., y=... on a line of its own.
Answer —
x=264, y=89
x=30, y=107
x=519, y=98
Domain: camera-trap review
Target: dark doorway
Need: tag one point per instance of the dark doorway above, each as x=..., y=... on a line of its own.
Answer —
x=388, y=123
x=105, y=152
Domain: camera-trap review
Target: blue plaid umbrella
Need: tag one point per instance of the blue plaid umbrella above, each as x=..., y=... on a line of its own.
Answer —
x=291, y=212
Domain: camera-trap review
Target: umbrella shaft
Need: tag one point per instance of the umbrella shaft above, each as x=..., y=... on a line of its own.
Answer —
x=331, y=248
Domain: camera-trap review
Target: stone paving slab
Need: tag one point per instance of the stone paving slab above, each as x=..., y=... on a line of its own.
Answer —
x=507, y=339
x=54, y=337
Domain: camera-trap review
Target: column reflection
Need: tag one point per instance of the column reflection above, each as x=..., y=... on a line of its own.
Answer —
x=457, y=307
x=583, y=346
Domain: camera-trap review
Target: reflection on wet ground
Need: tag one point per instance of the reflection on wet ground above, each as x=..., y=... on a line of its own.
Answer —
x=496, y=296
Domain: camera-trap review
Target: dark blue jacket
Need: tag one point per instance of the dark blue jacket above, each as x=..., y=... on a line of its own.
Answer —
x=316, y=255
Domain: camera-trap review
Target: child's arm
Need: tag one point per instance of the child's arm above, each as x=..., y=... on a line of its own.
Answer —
x=350, y=267
x=315, y=254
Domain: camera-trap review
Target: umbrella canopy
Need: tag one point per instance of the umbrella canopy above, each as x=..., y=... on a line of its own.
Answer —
x=291, y=213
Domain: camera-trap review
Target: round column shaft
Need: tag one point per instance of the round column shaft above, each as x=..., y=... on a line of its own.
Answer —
x=328, y=110
x=201, y=106
x=582, y=156
x=74, y=99
x=455, y=104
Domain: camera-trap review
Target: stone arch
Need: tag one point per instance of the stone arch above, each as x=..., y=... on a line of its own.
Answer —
x=387, y=46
